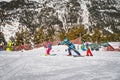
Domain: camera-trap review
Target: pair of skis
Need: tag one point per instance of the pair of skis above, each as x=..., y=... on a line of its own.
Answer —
x=68, y=56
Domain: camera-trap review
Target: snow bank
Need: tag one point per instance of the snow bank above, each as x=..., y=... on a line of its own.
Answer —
x=115, y=44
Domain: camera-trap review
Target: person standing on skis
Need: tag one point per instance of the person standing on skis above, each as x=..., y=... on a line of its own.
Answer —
x=9, y=46
x=70, y=46
x=48, y=47
x=3, y=42
x=88, y=52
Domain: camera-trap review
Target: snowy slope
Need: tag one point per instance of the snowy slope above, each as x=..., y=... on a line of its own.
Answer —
x=33, y=65
x=115, y=44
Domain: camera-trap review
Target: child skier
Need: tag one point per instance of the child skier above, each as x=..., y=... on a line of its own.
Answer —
x=22, y=46
x=3, y=42
x=83, y=46
x=49, y=47
x=9, y=46
x=88, y=52
x=70, y=46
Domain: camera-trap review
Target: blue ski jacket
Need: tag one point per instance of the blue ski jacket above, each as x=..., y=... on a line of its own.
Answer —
x=68, y=43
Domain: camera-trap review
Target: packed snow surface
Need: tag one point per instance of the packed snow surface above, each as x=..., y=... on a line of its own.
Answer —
x=34, y=65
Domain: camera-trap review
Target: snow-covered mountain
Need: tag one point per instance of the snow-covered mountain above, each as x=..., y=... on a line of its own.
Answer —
x=59, y=15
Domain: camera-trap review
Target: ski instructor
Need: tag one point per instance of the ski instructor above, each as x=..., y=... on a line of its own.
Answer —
x=70, y=46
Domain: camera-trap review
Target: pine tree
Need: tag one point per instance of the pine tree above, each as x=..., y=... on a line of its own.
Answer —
x=18, y=39
x=26, y=37
x=96, y=35
x=50, y=33
x=87, y=37
x=71, y=34
x=118, y=35
x=2, y=39
x=62, y=36
x=38, y=36
x=81, y=31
